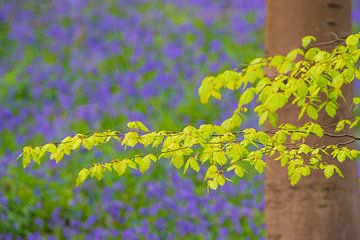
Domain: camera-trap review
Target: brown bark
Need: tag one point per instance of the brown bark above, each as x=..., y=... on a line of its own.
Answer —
x=315, y=208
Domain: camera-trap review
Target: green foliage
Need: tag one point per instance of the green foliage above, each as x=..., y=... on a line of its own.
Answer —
x=309, y=78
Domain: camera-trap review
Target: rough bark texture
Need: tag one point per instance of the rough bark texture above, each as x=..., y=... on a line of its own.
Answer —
x=315, y=208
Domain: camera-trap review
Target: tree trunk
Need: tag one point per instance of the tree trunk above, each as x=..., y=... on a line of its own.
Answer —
x=315, y=208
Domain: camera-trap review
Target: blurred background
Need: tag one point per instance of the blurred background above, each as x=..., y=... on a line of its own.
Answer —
x=88, y=65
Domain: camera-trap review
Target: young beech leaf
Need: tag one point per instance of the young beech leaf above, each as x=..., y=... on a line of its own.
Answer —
x=50, y=147
x=263, y=138
x=295, y=177
x=352, y=40
x=194, y=164
x=58, y=155
x=82, y=176
x=311, y=53
x=275, y=102
x=178, y=161
x=97, y=171
x=137, y=125
x=130, y=139
x=216, y=94
x=247, y=96
x=220, y=157
x=338, y=171
x=26, y=156
x=302, y=89
x=212, y=184
x=330, y=109
x=356, y=100
x=285, y=67
x=338, y=81
x=211, y=172
x=37, y=154
x=340, y=126
x=312, y=112
x=260, y=165
x=354, y=153
x=329, y=171
x=119, y=167
x=291, y=56
x=220, y=180
x=143, y=163
x=341, y=156
x=318, y=130
x=205, y=89
x=76, y=143
x=239, y=171
x=305, y=42
x=263, y=117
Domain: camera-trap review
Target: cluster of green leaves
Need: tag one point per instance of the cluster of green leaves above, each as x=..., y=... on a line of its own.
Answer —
x=307, y=77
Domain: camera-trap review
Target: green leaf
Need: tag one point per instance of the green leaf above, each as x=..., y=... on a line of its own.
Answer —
x=143, y=163
x=130, y=139
x=137, y=125
x=338, y=81
x=311, y=53
x=262, y=117
x=312, y=112
x=87, y=143
x=50, y=147
x=205, y=89
x=321, y=81
x=194, y=164
x=356, y=100
x=291, y=56
x=216, y=94
x=178, y=161
x=305, y=171
x=284, y=160
x=211, y=172
x=339, y=172
x=341, y=156
x=130, y=164
x=302, y=89
x=329, y=171
x=239, y=171
x=318, y=130
x=352, y=40
x=295, y=178
x=119, y=167
x=212, y=184
x=82, y=176
x=58, y=155
x=26, y=156
x=247, y=96
x=305, y=42
x=320, y=56
x=354, y=153
x=285, y=67
x=263, y=138
x=220, y=157
x=340, y=126
x=273, y=118
x=330, y=109
x=276, y=101
x=276, y=61
x=220, y=180
x=97, y=171
x=37, y=154
x=260, y=166
x=151, y=157
x=75, y=144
